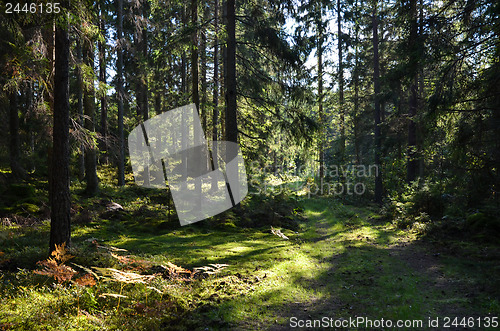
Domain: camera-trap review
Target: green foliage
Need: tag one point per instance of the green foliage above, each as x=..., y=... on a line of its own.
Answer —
x=23, y=200
x=264, y=211
x=424, y=197
x=483, y=226
x=418, y=205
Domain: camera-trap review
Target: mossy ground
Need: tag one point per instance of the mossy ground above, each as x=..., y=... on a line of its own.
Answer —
x=340, y=261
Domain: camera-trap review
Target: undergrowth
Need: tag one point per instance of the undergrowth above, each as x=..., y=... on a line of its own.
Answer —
x=131, y=265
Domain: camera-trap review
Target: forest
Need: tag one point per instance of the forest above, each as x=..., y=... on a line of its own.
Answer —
x=367, y=164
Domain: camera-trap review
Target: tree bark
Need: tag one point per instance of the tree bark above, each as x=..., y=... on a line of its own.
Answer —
x=157, y=100
x=119, y=91
x=376, y=88
x=319, y=48
x=183, y=63
x=141, y=55
x=195, y=78
x=230, y=79
x=79, y=106
x=14, y=143
x=341, y=86
x=215, y=113
x=60, y=204
x=412, y=167
x=89, y=109
x=194, y=54
x=102, y=80
x=222, y=77
x=144, y=73
x=356, y=128
x=203, y=64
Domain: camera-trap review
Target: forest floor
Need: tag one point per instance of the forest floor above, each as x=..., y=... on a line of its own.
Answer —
x=343, y=262
x=366, y=268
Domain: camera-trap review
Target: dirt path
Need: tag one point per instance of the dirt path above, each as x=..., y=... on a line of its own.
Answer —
x=418, y=269
x=421, y=258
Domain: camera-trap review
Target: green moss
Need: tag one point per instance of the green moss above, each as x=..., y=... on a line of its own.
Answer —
x=338, y=259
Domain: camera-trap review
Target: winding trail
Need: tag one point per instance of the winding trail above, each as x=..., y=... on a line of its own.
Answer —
x=365, y=267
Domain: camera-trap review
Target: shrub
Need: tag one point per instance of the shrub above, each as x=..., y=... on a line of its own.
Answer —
x=421, y=202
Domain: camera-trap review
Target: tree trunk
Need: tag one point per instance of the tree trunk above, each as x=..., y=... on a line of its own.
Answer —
x=60, y=204
x=412, y=167
x=144, y=73
x=203, y=50
x=222, y=77
x=157, y=100
x=230, y=79
x=215, y=113
x=184, y=89
x=319, y=28
x=79, y=106
x=341, y=86
x=183, y=63
x=183, y=78
x=194, y=55
x=141, y=53
x=102, y=80
x=31, y=129
x=356, y=128
x=421, y=96
x=49, y=37
x=137, y=72
x=119, y=91
x=14, y=144
x=89, y=109
x=194, y=77
x=376, y=88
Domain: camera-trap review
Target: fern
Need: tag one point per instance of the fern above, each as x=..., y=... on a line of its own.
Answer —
x=54, y=266
x=60, y=272
x=86, y=280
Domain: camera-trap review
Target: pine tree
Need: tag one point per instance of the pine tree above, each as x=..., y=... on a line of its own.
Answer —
x=376, y=90
x=119, y=91
x=60, y=204
x=230, y=78
x=89, y=121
